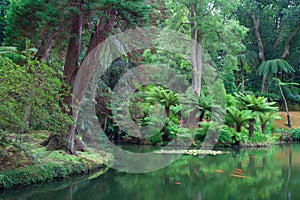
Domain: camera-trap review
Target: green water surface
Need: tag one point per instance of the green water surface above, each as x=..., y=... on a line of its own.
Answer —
x=272, y=173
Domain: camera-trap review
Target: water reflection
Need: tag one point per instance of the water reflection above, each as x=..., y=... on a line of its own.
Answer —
x=257, y=174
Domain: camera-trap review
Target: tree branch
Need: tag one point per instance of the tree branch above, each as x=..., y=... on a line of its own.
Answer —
x=182, y=23
x=276, y=42
x=287, y=45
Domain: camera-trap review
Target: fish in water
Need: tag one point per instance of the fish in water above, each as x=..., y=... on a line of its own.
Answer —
x=239, y=176
x=238, y=171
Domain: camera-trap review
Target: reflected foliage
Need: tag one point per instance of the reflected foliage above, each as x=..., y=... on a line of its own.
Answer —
x=242, y=174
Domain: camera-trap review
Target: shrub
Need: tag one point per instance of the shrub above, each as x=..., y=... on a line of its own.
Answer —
x=200, y=133
x=156, y=139
x=257, y=137
x=30, y=97
x=295, y=134
x=230, y=136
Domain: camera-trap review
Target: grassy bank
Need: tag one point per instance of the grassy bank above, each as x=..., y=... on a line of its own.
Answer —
x=53, y=186
x=29, y=163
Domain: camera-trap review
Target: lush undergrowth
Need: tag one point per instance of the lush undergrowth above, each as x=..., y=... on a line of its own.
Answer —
x=31, y=163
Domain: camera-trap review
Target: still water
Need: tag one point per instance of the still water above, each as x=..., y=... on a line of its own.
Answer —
x=272, y=173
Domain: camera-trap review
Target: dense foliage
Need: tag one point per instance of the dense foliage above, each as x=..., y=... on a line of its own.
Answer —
x=30, y=100
x=254, y=45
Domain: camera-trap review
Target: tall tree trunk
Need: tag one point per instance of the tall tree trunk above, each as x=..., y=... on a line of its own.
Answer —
x=256, y=24
x=264, y=87
x=193, y=53
x=71, y=67
x=100, y=35
x=102, y=30
x=243, y=80
x=73, y=52
x=199, y=62
x=285, y=53
x=285, y=104
x=196, y=54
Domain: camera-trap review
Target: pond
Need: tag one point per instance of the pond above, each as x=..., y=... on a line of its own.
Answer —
x=272, y=173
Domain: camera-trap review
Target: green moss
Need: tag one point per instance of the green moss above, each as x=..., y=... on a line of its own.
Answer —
x=39, y=173
x=50, y=165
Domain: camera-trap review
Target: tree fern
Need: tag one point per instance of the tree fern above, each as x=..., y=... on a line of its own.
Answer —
x=163, y=96
x=271, y=67
x=239, y=117
x=264, y=118
x=255, y=105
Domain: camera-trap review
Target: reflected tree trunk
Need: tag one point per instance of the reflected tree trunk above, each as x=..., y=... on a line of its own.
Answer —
x=264, y=161
x=240, y=165
x=252, y=165
x=289, y=173
x=199, y=196
x=70, y=192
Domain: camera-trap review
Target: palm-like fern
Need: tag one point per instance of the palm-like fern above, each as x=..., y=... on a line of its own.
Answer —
x=163, y=96
x=247, y=57
x=254, y=104
x=201, y=104
x=271, y=67
x=284, y=99
x=239, y=117
x=264, y=118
